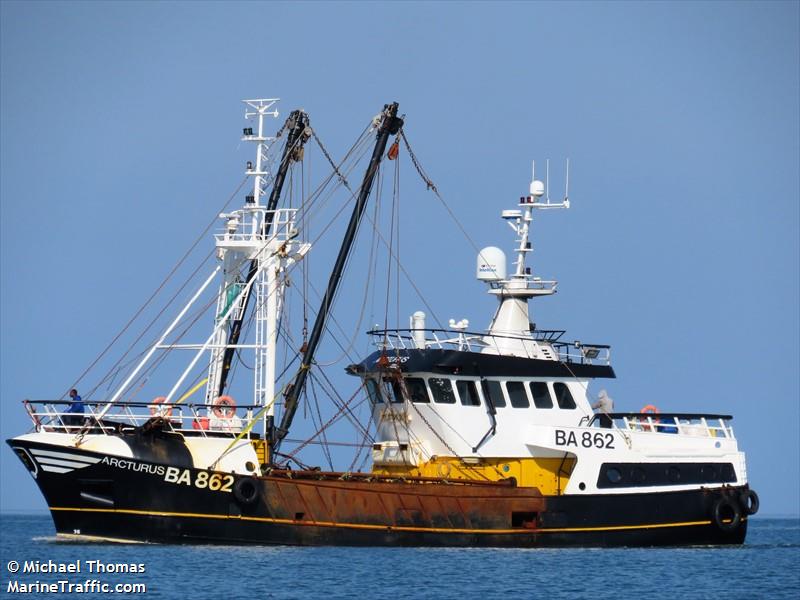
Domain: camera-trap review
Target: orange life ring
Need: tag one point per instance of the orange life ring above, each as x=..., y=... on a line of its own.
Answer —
x=650, y=409
x=224, y=407
x=201, y=423
x=161, y=411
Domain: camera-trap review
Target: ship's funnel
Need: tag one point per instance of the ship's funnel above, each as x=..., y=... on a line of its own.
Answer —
x=491, y=264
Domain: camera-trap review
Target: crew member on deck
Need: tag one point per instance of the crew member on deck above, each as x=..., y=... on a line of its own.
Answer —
x=604, y=405
x=74, y=418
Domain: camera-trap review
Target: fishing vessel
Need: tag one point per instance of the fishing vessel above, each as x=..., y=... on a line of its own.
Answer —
x=477, y=438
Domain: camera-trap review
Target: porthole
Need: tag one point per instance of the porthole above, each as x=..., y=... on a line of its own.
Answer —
x=674, y=474
x=614, y=475
x=709, y=472
x=638, y=475
x=581, y=486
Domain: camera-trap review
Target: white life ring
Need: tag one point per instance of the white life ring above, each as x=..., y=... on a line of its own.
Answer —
x=160, y=411
x=224, y=407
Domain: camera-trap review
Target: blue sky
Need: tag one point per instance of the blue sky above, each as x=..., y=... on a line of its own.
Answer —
x=119, y=127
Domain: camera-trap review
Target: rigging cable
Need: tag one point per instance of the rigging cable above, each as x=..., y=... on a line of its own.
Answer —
x=396, y=202
x=431, y=186
x=380, y=236
x=388, y=268
x=152, y=296
x=325, y=448
x=336, y=416
x=242, y=261
x=337, y=399
x=113, y=369
x=365, y=440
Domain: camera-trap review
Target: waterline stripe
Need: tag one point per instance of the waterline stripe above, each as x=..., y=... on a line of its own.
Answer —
x=383, y=527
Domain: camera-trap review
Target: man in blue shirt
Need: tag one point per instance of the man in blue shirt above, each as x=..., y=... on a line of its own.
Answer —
x=74, y=418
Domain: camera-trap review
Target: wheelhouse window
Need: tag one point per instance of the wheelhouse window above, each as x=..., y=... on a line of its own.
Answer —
x=541, y=395
x=392, y=391
x=468, y=393
x=493, y=391
x=373, y=391
x=563, y=396
x=442, y=391
x=415, y=386
x=517, y=395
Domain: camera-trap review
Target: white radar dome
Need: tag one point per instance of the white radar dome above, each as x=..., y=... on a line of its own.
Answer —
x=491, y=264
x=537, y=188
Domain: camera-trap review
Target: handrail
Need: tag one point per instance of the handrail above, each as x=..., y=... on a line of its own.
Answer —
x=403, y=339
x=137, y=404
x=620, y=415
x=688, y=424
x=536, y=334
x=196, y=418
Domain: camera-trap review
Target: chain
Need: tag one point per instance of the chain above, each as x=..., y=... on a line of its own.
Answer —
x=336, y=170
x=417, y=166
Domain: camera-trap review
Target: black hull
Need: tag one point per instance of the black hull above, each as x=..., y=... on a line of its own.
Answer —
x=173, y=529
x=131, y=500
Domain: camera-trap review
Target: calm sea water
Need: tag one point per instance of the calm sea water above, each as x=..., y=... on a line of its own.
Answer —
x=767, y=566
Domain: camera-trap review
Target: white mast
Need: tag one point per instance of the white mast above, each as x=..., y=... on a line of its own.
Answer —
x=512, y=318
x=260, y=108
x=252, y=262
x=242, y=242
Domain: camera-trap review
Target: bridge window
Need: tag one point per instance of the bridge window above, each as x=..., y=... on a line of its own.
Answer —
x=493, y=391
x=415, y=386
x=373, y=391
x=517, y=395
x=395, y=394
x=541, y=395
x=442, y=391
x=563, y=396
x=468, y=393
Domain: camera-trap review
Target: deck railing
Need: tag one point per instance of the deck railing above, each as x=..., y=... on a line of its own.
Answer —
x=193, y=419
x=689, y=424
x=472, y=341
x=247, y=224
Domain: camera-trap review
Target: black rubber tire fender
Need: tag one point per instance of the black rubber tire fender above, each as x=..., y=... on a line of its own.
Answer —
x=749, y=501
x=246, y=491
x=722, y=508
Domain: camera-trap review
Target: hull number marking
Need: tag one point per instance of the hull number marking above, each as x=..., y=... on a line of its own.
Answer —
x=204, y=480
x=586, y=439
